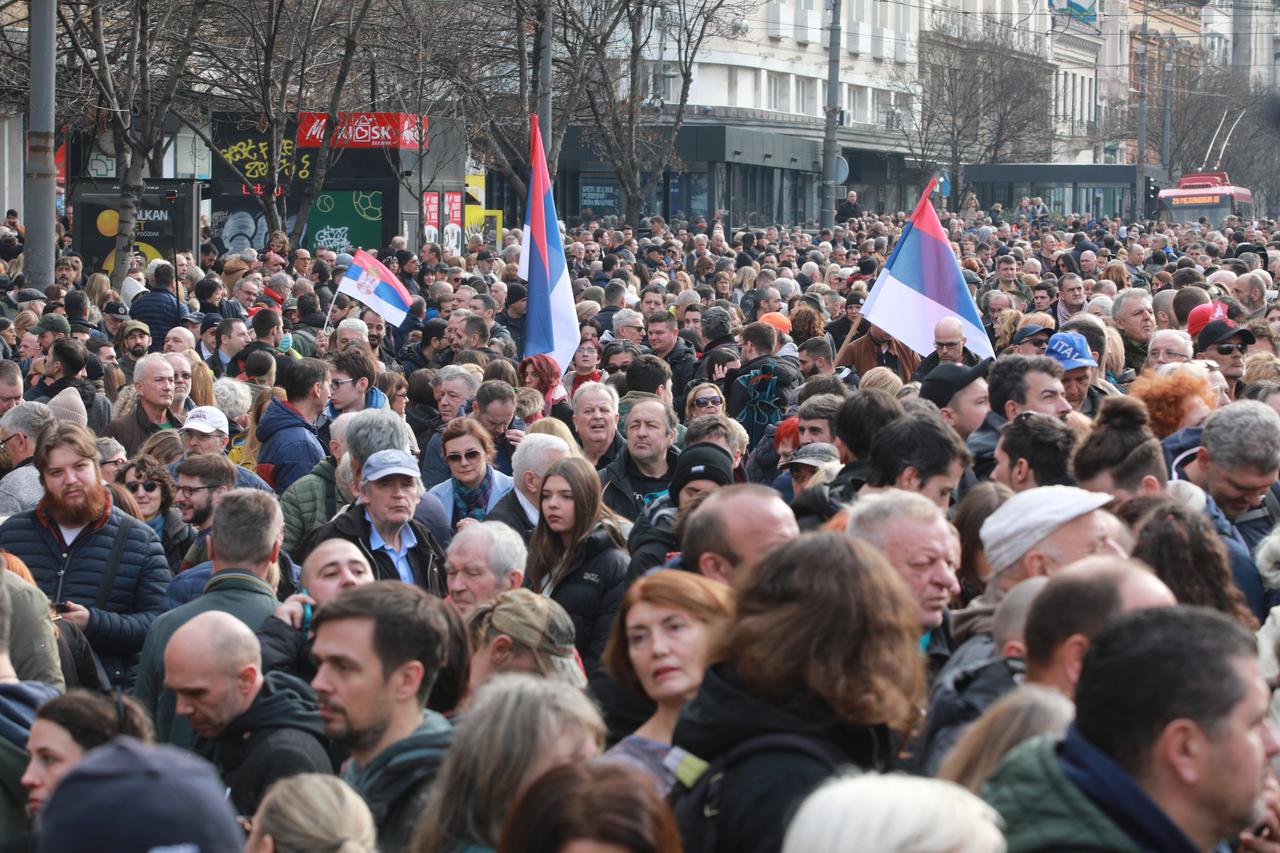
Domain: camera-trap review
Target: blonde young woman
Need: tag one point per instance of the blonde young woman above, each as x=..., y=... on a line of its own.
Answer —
x=312, y=811
x=518, y=728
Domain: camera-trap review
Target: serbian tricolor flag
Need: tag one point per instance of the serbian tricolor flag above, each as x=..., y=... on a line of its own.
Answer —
x=551, y=325
x=921, y=283
x=370, y=283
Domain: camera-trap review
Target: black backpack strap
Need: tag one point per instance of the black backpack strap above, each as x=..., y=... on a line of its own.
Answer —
x=113, y=563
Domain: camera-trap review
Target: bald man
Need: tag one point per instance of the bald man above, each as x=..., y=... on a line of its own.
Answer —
x=949, y=347
x=255, y=730
x=331, y=567
x=244, y=544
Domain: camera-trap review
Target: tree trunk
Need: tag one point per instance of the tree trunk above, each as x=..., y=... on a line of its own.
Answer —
x=131, y=187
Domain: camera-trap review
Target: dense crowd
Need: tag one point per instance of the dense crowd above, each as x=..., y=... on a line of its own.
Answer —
x=748, y=574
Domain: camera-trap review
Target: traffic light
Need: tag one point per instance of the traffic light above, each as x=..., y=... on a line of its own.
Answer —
x=1151, y=195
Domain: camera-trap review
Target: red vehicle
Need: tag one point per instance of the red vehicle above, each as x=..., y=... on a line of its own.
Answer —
x=1204, y=195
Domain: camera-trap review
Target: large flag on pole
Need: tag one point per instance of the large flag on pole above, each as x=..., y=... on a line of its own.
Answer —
x=551, y=325
x=921, y=283
x=370, y=283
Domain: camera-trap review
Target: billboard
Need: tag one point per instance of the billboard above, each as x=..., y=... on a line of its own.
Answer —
x=365, y=130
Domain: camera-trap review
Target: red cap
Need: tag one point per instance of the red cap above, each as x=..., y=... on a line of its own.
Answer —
x=1204, y=314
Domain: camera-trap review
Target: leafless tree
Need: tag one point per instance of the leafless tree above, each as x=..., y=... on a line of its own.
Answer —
x=975, y=96
x=136, y=53
x=638, y=93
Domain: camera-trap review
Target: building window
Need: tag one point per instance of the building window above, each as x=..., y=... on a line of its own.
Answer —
x=776, y=95
x=806, y=96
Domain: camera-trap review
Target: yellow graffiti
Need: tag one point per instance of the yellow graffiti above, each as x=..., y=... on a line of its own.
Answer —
x=252, y=158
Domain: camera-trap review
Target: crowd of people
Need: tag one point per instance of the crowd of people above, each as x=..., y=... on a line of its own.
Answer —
x=748, y=574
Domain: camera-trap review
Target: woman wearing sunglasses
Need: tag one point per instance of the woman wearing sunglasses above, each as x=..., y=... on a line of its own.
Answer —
x=704, y=399
x=474, y=485
x=153, y=490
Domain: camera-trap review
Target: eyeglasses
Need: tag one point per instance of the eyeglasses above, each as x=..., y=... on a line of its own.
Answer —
x=1038, y=343
x=455, y=458
x=4, y=444
x=707, y=401
x=1227, y=349
x=1168, y=355
x=614, y=368
x=335, y=384
x=147, y=486
x=188, y=491
x=947, y=344
x=111, y=462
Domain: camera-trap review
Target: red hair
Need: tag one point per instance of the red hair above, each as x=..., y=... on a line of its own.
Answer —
x=545, y=370
x=1165, y=395
x=788, y=431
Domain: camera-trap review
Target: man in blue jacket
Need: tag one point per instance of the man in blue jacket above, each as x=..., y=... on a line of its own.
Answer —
x=290, y=448
x=159, y=308
x=105, y=571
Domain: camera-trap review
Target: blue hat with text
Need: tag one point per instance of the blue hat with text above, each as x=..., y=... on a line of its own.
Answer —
x=1071, y=350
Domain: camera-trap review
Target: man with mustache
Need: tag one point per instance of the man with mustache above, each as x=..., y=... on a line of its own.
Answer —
x=105, y=571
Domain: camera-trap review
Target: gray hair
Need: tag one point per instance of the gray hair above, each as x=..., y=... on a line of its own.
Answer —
x=246, y=525
x=280, y=282
x=504, y=549
x=533, y=453
x=353, y=323
x=1126, y=296
x=451, y=372
x=596, y=387
x=338, y=427
x=142, y=370
x=624, y=317
x=1245, y=434
x=233, y=397
x=28, y=418
x=108, y=447
x=1183, y=339
x=375, y=429
x=870, y=516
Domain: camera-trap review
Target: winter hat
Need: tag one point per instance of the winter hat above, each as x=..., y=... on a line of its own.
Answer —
x=140, y=798
x=701, y=462
x=780, y=323
x=67, y=406
x=516, y=293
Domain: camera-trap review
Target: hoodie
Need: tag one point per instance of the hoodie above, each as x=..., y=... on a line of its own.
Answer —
x=290, y=448
x=279, y=735
x=396, y=780
x=760, y=793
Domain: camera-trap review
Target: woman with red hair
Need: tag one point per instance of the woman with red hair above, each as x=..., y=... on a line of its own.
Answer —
x=542, y=373
x=1176, y=397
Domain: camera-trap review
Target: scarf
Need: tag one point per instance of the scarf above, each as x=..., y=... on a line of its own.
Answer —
x=472, y=503
x=1064, y=314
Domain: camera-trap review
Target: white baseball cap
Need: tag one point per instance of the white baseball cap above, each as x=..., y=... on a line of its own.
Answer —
x=206, y=419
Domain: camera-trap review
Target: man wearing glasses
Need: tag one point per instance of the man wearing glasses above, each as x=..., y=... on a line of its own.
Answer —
x=948, y=348
x=21, y=490
x=1226, y=344
x=1169, y=346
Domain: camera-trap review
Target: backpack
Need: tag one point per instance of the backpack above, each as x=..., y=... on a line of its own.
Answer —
x=762, y=409
x=695, y=799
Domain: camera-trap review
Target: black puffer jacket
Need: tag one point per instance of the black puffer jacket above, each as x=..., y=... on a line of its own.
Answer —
x=683, y=362
x=760, y=793
x=591, y=590
x=618, y=491
x=76, y=573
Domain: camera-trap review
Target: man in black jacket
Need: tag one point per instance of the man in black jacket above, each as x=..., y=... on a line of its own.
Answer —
x=519, y=508
x=254, y=729
x=382, y=526
x=641, y=473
